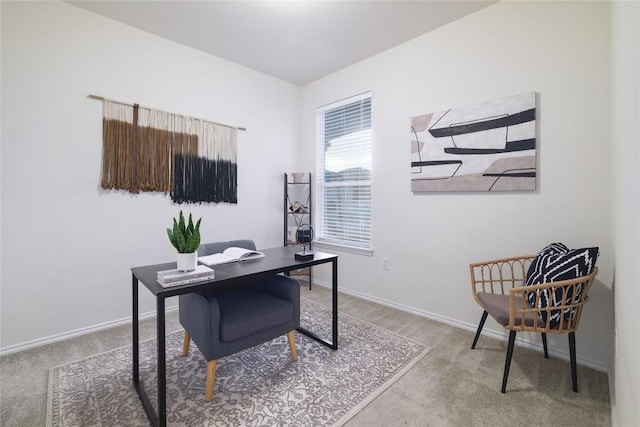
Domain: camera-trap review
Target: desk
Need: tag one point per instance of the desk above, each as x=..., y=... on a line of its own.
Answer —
x=276, y=260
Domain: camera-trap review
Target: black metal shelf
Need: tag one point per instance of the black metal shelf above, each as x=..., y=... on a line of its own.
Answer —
x=297, y=192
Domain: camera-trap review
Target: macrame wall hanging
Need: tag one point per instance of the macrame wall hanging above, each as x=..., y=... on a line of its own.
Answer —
x=149, y=150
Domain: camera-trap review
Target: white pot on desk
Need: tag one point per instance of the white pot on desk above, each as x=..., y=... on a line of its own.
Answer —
x=187, y=262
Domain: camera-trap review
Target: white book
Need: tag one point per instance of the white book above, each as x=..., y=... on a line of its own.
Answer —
x=186, y=281
x=174, y=275
x=232, y=254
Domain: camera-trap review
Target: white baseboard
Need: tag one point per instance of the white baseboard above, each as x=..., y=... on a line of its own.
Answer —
x=598, y=366
x=612, y=393
x=78, y=332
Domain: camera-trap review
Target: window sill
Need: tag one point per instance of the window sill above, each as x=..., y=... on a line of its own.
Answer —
x=342, y=248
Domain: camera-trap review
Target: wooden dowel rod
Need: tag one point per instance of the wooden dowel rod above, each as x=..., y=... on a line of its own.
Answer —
x=102, y=98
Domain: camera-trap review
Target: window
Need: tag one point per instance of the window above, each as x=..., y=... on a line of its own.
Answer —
x=343, y=183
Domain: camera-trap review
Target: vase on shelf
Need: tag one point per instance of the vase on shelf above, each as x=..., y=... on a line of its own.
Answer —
x=298, y=177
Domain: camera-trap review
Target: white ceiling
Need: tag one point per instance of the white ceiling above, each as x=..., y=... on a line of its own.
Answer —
x=297, y=41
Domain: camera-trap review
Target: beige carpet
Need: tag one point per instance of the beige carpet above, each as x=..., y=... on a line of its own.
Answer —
x=259, y=386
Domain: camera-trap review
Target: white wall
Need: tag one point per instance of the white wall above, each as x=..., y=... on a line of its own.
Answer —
x=67, y=246
x=625, y=24
x=561, y=51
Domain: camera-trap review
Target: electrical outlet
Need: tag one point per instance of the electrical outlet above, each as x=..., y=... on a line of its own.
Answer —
x=385, y=263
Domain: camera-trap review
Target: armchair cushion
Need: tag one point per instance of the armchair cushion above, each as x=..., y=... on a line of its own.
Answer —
x=247, y=312
x=497, y=305
x=555, y=263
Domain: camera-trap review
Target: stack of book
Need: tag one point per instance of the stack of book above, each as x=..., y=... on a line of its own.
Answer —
x=167, y=278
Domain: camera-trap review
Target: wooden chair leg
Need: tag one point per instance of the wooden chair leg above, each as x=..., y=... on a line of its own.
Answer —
x=185, y=346
x=572, y=355
x=292, y=346
x=211, y=379
x=544, y=345
x=480, y=326
x=507, y=363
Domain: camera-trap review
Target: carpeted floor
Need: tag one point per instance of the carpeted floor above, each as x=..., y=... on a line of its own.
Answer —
x=259, y=386
x=450, y=386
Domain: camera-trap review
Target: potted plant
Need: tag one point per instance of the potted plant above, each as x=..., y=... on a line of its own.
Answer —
x=185, y=237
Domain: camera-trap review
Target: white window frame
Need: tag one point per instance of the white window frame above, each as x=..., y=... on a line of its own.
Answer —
x=321, y=237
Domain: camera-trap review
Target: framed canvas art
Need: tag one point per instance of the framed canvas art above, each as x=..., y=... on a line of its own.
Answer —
x=490, y=146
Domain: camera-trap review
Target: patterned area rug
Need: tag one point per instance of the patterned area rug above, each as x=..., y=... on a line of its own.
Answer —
x=260, y=386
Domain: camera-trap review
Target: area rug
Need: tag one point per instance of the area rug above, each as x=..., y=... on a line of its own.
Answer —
x=260, y=386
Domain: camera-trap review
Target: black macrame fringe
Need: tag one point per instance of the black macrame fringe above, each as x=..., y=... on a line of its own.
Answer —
x=197, y=180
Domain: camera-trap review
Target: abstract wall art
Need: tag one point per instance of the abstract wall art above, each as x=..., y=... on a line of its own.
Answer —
x=490, y=146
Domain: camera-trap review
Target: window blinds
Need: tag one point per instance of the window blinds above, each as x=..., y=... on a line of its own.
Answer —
x=343, y=160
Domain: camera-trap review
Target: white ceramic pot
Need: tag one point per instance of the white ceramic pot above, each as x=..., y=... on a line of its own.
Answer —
x=187, y=262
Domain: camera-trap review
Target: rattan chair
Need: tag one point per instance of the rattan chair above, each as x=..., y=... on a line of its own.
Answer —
x=498, y=287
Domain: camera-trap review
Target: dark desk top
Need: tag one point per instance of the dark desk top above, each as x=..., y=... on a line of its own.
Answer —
x=276, y=260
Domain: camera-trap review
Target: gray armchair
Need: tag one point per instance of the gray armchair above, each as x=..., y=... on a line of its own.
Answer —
x=253, y=312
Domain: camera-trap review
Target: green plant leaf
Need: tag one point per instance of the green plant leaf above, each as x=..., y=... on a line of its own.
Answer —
x=190, y=226
x=178, y=235
x=183, y=227
x=192, y=243
x=171, y=238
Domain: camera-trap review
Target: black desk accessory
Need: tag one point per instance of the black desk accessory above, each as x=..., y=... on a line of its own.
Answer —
x=304, y=236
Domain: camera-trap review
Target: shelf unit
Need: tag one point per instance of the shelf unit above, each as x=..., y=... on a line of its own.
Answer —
x=297, y=189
